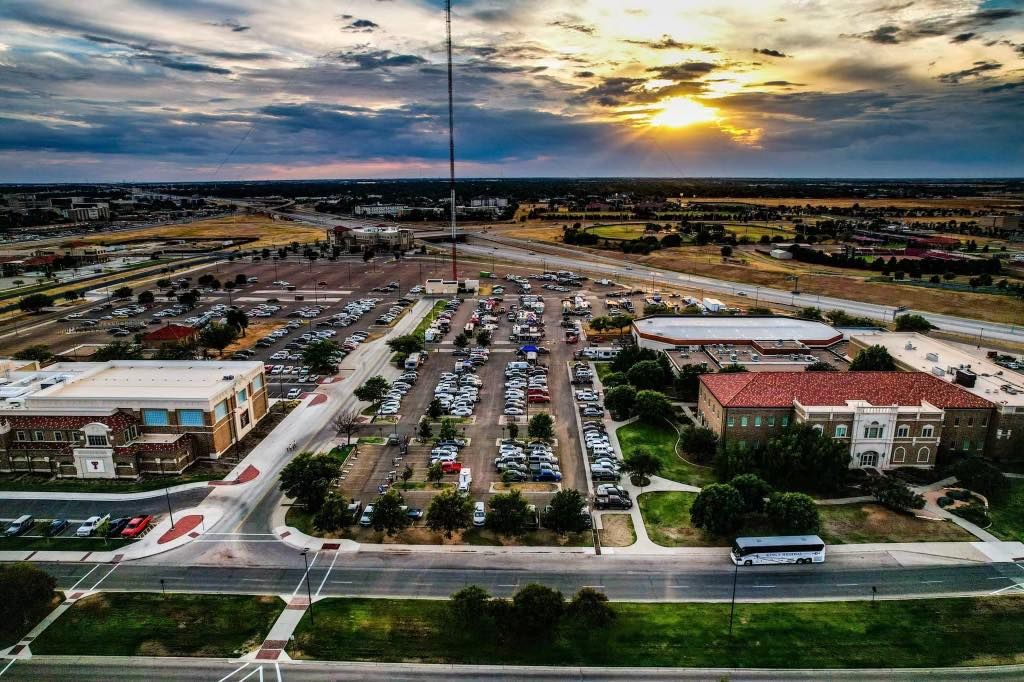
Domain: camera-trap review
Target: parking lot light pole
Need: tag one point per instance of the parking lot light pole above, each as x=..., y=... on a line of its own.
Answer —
x=732, y=608
x=309, y=591
x=167, y=496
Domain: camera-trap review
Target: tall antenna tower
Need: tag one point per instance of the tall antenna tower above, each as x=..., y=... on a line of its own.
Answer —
x=451, y=135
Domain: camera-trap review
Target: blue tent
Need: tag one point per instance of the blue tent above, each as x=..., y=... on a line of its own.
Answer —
x=529, y=349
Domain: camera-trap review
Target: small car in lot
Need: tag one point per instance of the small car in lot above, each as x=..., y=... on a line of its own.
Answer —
x=116, y=526
x=88, y=528
x=547, y=476
x=367, y=518
x=479, y=514
x=137, y=526
x=57, y=526
x=294, y=393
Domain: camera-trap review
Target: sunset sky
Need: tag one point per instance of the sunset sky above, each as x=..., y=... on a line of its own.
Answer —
x=234, y=89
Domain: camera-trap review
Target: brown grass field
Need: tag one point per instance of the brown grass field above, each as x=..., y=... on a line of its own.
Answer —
x=961, y=202
x=270, y=232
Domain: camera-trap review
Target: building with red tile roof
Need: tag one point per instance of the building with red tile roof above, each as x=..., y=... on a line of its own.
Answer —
x=889, y=419
x=171, y=333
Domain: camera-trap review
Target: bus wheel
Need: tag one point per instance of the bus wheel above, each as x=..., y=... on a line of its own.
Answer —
x=748, y=562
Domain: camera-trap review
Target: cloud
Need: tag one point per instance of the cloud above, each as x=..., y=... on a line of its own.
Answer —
x=939, y=25
x=683, y=71
x=584, y=74
x=667, y=42
x=977, y=71
x=362, y=25
x=962, y=37
x=231, y=24
x=773, y=84
x=379, y=59
x=769, y=52
x=577, y=27
x=170, y=63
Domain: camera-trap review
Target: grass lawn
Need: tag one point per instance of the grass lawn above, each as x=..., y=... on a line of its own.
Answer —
x=603, y=370
x=667, y=520
x=41, y=543
x=43, y=482
x=618, y=231
x=967, y=631
x=127, y=624
x=868, y=522
x=661, y=441
x=1008, y=517
x=429, y=317
x=372, y=440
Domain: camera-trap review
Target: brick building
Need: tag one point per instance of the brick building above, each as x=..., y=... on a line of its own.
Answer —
x=122, y=418
x=889, y=419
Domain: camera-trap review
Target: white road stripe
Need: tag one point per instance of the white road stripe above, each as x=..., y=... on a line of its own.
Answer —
x=7, y=666
x=764, y=587
x=241, y=667
x=104, y=577
x=305, y=573
x=329, y=569
x=72, y=588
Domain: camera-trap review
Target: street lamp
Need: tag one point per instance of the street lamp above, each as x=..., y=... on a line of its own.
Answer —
x=167, y=496
x=309, y=591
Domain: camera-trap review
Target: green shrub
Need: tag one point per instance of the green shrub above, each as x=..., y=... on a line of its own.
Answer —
x=944, y=501
x=975, y=513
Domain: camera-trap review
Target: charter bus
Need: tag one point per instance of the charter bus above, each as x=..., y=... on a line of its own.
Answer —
x=780, y=549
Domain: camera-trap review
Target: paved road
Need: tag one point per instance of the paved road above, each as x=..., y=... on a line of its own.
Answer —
x=556, y=257
x=104, y=669
x=83, y=509
x=636, y=579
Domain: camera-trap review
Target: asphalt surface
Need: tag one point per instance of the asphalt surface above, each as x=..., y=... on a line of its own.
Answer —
x=634, y=579
x=75, y=510
x=104, y=669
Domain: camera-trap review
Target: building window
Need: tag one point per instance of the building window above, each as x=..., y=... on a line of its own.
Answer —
x=241, y=397
x=97, y=441
x=923, y=455
x=58, y=436
x=257, y=383
x=155, y=418
x=742, y=444
x=819, y=429
x=244, y=418
x=984, y=421
x=757, y=420
x=730, y=421
x=771, y=421
x=967, y=444
x=841, y=431
x=191, y=418
x=927, y=431
x=956, y=421
x=903, y=431
x=785, y=420
x=899, y=455
x=869, y=459
x=38, y=436
x=133, y=431
x=744, y=420
x=20, y=435
x=970, y=421
x=874, y=430
x=220, y=411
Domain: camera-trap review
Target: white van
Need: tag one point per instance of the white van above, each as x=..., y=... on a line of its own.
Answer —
x=517, y=365
x=465, y=479
x=479, y=514
x=20, y=525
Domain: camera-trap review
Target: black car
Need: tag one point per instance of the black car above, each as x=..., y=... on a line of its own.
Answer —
x=414, y=513
x=57, y=526
x=604, y=476
x=116, y=526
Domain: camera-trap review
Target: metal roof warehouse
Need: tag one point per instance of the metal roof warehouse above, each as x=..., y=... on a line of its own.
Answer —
x=769, y=334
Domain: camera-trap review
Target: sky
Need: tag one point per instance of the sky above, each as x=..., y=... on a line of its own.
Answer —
x=165, y=90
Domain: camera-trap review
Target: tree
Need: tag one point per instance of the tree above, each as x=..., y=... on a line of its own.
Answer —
x=241, y=278
x=513, y=430
x=537, y=610
x=646, y=375
x=483, y=338
x=449, y=430
x=71, y=296
x=810, y=313
x=820, y=366
x=620, y=322
x=175, y=351
x=687, y=382
x=373, y=391
x=26, y=593
x=983, y=477
x=122, y=292
x=734, y=368
x=307, y=478
x=388, y=513
x=754, y=490
x=145, y=297
x=333, y=514
x=913, y=323
x=507, y=513
x=564, y=513
x=435, y=474
x=237, y=319
x=620, y=401
x=896, y=495
x=407, y=345
x=652, y=406
x=461, y=341
x=449, y=511
x=218, y=336
x=614, y=379
x=435, y=409
x=640, y=464
x=698, y=442
x=873, y=359
x=346, y=422
x=118, y=350
x=425, y=431
x=320, y=356
x=590, y=608
x=189, y=298
x=33, y=303
x=794, y=513
x=718, y=509
x=468, y=606
x=541, y=426
x=656, y=309
x=726, y=251
x=39, y=353
x=406, y=475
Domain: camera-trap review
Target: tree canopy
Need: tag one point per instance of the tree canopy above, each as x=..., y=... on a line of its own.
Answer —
x=873, y=359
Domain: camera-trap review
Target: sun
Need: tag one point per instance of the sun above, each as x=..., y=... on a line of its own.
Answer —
x=678, y=112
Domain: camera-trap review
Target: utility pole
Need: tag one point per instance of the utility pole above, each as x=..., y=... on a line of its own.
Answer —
x=451, y=135
x=309, y=591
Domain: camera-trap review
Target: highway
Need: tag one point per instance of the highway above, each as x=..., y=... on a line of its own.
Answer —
x=670, y=579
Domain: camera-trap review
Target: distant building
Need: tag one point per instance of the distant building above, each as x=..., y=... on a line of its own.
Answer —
x=390, y=210
x=766, y=334
x=489, y=202
x=171, y=334
x=887, y=419
x=1000, y=223
x=361, y=238
x=122, y=418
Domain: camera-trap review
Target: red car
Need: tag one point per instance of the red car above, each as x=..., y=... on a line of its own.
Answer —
x=572, y=339
x=538, y=398
x=451, y=467
x=136, y=526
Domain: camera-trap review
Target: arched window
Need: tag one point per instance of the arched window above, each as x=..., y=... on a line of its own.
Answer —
x=923, y=455
x=873, y=430
x=869, y=458
x=899, y=455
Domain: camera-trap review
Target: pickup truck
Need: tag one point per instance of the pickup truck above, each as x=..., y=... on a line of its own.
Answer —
x=90, y=525
x=612, y=502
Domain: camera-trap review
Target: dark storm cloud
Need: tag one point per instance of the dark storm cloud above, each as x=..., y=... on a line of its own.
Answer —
x=362, y=26
x=977, y=71
x=863, y=72
x=769, y=52
x=584, y=74
x=815, y=106
x=773, y=84
x=379, y=59
x=683, y=71
x=667, y=42
x=947, y=24
x=611, y=92
x=962, y=37
x=170, y=63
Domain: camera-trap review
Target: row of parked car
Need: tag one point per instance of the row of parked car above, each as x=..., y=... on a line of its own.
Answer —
x=394, y=311
x=129, y=527
x=392, y=402
x=525, y=383
x=519, y=461
x=459, y=391
x=605, y=464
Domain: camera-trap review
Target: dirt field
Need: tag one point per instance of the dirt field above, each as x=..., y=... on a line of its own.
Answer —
x=962, y=202
x=617, y=530
x=270, y=232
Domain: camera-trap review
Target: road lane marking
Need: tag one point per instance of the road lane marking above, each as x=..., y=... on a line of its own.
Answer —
x=926, y=582
x=847, y=584
x=677, y=587
x=764, y=587
x=999, y=577
x=7, y=666
x=595, y=587
x=305, y=573
x=239, y=668
x=342, y=582
x=72, y=588
x=277, y=669
x=257, y=670
x=508, y=585
x=107, y=575
x=329, y=569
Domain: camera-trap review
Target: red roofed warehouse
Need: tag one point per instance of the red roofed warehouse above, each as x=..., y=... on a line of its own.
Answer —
x=889, y=419
x=171, y=333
